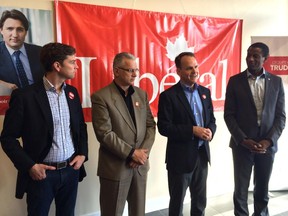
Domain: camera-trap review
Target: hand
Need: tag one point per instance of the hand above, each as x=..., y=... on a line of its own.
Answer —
x=140, y=156
x=133, y=164
x=38, y=171
x=264, y=144
x=77, y=162
x=255, y=147
x=202, y=133
x=11, y=86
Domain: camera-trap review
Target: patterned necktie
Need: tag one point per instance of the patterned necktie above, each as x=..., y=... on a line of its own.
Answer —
x=21, y=72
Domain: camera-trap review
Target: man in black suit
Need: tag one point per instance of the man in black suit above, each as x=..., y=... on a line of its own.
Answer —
x=185, y=117
x=48, y=116
x=255, y=116
x=13, y=27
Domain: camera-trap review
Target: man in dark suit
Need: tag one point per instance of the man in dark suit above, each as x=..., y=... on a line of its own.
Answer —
x=48, y=117
x=125, y=129
x=255, y=116
x=185, y=117
x=14, y=26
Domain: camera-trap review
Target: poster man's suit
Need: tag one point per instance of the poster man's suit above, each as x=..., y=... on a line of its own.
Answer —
x=7, y=69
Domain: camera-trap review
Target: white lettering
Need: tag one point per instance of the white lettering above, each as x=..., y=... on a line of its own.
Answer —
x=158, y=87
x=85, y=63
x=154, y=83
x=279, y=67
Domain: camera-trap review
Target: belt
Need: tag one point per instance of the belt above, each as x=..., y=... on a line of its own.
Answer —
x=59, y=165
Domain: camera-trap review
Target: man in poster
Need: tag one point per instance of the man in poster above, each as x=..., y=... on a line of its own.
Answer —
x=13, y=27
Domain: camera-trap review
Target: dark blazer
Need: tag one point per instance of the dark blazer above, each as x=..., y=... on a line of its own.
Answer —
x=176, y=120
x=29, y=117
x=240, y=112
x=7, y=69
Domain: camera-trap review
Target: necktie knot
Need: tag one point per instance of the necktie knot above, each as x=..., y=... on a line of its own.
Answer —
x=17, y=53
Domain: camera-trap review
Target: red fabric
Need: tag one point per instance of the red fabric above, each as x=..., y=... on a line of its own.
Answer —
x=98, y=33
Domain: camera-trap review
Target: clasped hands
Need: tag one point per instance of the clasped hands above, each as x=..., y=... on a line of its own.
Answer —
x=256, y=147
x=202, y=133
x=139, y=157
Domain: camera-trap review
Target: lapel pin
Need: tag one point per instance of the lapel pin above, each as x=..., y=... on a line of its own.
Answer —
x=204, y=96
x=71, y=95
x=137, y=104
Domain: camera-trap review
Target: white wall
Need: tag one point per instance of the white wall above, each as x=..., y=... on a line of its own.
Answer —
x=260, y=18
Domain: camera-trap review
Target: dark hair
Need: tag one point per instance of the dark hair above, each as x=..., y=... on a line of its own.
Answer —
x=53, y=52
x=118, y=59
x=178, y=58
x=14, y=14
x=264, y=48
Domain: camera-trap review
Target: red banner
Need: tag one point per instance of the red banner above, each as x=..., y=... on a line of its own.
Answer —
x=98, y=33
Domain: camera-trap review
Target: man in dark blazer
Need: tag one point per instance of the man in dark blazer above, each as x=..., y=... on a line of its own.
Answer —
x=255, y=116
x=125, y=128
x=14, y=27
x=48, y=117
x=185, y=117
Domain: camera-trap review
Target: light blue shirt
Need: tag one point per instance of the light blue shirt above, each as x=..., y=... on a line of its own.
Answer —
x=62, y=144
x=25, y=62
x=195, y=102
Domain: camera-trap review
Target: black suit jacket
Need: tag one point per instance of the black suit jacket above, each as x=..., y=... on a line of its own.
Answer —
x=240, y=111
x=176, y=120
x=7, y=69
x=29, y=117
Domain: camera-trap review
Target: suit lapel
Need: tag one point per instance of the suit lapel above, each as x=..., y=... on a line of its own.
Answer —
x=42, y=99
x=70, y=97
x=270, y=93
x=121, y=107
x=245, y=85
x=7, y=68
x=137, y=104
x=203, y=97
x=32, y=56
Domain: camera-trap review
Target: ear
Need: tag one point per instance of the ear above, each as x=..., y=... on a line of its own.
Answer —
x=57, y=66
x=116, y=72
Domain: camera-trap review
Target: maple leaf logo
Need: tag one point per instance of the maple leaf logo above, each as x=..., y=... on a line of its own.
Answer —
x=180, y=45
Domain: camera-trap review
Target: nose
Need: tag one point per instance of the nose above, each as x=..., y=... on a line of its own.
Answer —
x=134, y=73
x=194, y=71
x=76, y=65
x=14, y=33
x=249, y=58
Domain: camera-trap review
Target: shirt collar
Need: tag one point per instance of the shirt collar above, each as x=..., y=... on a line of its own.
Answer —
x=122, y=92
x=49, y=86
x=249, y=75
x=11, y=51
x=189, y=88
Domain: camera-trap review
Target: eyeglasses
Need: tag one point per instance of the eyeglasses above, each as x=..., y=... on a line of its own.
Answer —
x=130, y=70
